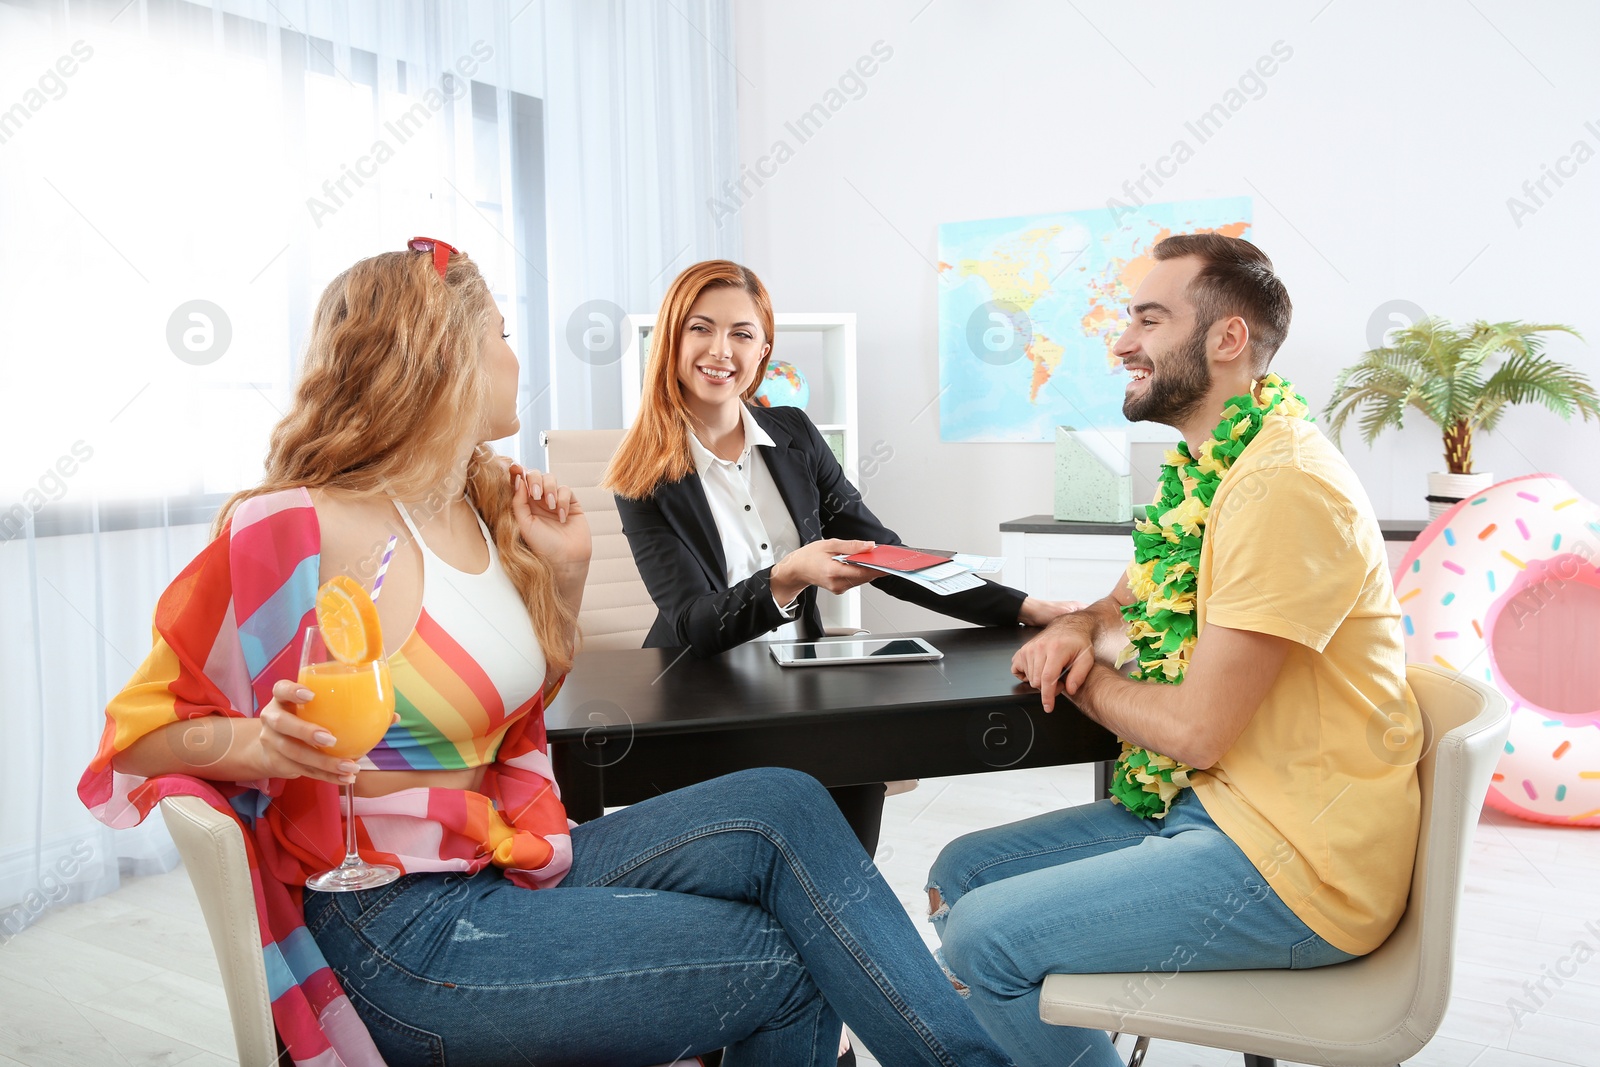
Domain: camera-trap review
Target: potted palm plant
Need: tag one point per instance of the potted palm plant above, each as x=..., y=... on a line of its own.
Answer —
x=1462, y=379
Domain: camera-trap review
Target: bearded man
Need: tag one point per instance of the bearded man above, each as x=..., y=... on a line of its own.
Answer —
x=1264, y=813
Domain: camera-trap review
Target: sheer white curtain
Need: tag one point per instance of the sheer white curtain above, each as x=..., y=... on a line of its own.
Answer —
x=178, y=181
x=642, y=136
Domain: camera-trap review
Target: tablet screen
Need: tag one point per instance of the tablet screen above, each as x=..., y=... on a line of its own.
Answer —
x=881, y=648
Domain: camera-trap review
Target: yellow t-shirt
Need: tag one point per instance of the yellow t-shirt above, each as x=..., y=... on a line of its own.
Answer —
x=1320, y=790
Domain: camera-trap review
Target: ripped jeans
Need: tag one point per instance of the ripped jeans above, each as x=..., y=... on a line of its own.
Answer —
x=741, y=913
x=1096, y=889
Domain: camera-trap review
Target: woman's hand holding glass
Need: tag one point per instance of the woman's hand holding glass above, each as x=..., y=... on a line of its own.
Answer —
x=291, y=747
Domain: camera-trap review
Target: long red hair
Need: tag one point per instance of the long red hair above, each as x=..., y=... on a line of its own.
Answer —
x=655, y=449
x=391, y=386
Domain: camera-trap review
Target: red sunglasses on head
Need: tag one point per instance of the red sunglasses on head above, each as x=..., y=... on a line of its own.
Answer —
x=441, y=251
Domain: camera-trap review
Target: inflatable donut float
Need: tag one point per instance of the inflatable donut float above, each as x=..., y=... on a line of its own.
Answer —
x=1506, y=586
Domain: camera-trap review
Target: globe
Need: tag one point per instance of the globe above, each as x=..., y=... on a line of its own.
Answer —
x=783, y=386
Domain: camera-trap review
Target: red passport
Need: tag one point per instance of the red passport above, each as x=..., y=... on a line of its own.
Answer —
x=897, y=558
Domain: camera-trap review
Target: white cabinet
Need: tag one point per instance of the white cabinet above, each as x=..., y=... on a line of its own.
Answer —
x=1083, y=560
x=1083, y=564
x=823, y=348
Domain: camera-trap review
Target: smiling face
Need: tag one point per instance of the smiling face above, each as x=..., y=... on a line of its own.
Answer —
x=1164, y=349
x=720, y=351
x=500, y=364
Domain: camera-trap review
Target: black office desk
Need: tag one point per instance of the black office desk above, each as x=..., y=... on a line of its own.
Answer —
x=629, y=725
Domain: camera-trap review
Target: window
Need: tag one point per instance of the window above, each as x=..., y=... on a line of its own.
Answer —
x=184, y=195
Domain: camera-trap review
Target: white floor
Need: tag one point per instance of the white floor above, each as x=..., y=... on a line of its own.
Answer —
x=130, y=979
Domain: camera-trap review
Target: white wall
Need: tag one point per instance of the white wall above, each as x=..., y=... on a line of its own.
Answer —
x=1382, y=154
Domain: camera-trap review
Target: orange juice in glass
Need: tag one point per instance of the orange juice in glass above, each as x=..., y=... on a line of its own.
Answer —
x=342, y=663
x=352, y=701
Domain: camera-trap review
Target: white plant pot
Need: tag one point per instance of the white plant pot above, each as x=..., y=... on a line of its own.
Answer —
x=1445, y=490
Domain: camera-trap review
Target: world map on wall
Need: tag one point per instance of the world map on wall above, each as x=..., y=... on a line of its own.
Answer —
x=1030, y=307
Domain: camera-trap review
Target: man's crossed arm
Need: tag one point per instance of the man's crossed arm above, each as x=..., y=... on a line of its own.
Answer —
x=1194, y=722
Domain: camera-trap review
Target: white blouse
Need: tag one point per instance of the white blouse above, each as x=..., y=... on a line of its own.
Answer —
x=752, y=520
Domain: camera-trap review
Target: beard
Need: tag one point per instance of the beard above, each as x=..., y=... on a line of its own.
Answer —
x=1178, y=385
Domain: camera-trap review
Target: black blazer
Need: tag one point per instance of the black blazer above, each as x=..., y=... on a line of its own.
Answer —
x=679, y=551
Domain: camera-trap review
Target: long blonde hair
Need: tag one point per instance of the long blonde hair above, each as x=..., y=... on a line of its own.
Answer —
x=656, y=447
x=392, y=383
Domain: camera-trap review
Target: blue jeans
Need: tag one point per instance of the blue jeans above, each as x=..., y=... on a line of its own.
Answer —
x=1096, y=889
x=738, y=913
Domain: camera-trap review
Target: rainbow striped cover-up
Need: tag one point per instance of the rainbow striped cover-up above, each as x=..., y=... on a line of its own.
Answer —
x=226, y=630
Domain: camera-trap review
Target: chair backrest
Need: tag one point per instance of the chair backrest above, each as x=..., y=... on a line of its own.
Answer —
x=617, y=609
x=1465, y=724
x=213, y=852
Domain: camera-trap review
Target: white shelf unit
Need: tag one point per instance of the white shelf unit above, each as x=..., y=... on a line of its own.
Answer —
x=823, y=348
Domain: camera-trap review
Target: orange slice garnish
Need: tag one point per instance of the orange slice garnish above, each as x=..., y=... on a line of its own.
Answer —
x=349, y=621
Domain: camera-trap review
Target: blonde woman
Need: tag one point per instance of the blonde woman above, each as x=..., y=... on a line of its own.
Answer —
x=739, y=913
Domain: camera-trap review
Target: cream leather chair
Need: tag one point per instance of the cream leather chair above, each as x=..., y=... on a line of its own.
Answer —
x=617, y=609
x=1379, y=1009
x=213, y=852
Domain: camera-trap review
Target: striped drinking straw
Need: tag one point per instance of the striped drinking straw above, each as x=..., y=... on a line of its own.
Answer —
x=383, y=565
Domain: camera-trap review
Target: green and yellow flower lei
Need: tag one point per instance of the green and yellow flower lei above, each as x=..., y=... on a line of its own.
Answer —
x=1165, y=573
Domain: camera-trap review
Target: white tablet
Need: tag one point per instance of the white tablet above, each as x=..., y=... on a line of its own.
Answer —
x=854, y=650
